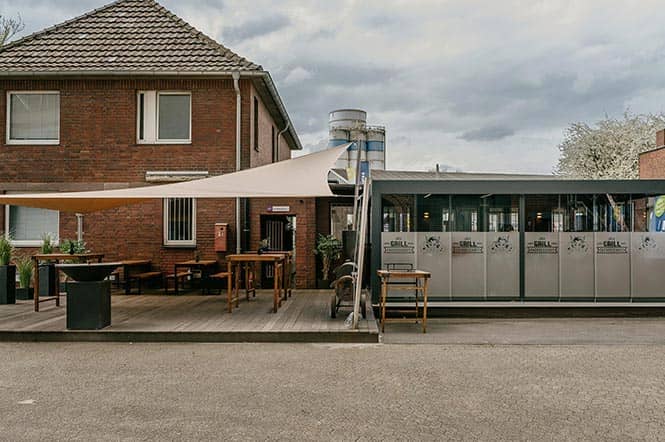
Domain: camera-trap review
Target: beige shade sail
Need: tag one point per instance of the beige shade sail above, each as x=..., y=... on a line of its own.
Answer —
x=305, y=176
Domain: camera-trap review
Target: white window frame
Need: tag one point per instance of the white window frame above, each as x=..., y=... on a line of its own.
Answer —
x=29, y=242
x=8, y=135
x=178, y=243
x=153, y=138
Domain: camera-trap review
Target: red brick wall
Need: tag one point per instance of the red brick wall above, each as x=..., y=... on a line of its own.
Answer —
x=305, y=211
x=98, y=145
x=98, y=132
x=652, y=164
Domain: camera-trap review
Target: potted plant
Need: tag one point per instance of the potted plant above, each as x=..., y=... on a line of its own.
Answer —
x=7, y=272
x=46, y=268
x=25, y=269
x=264, y=246
x=329, y=249
x=71, y=247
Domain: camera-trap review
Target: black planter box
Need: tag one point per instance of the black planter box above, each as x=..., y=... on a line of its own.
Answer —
x=25, y=294
x=8, y=284
x=47, y=280
x=88, y=305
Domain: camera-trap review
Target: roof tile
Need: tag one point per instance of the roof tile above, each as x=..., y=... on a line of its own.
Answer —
x=127, y=35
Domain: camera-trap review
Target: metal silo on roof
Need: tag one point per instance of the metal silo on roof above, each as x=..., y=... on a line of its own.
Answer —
x=350, y=126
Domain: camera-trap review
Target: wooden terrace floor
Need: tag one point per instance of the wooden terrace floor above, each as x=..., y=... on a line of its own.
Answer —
x=193, y=318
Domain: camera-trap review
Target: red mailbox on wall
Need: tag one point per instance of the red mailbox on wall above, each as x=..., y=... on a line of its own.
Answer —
x=221, y=237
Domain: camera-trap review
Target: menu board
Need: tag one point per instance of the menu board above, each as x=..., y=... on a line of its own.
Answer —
x=468, y=264
x=503, y=271
x=612, y=251
x=576, y=264
x=433, y=255
x=648, y=264
x=542, y=265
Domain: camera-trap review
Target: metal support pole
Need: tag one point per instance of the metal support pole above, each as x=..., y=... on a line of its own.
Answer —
x=360, y=247
x=79, y=227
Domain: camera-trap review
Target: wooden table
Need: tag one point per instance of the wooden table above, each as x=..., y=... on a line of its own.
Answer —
x=206, y=266
x=411, y=280
x=286, y=269
x=56, y=258
x=278, y=259
x=130, y=264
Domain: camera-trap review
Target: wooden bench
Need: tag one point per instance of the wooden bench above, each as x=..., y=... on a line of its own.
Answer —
x=180, y=276
x=218, y=277
x=146, y=276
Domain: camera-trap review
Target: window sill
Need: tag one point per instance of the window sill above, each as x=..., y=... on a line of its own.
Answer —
x=32, y=143
x=30, y=244
x=179, y=246
x=161, y=142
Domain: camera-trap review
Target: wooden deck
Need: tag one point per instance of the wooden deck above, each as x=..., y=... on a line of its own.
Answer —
x=192, y=318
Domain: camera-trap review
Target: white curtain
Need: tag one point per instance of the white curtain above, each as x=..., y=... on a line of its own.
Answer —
x=29, y=224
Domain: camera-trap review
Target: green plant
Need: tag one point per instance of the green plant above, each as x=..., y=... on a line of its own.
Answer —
x=47, y=244
x=6, y=250
x=73, y=247
x=25, y=268
x=329, y=249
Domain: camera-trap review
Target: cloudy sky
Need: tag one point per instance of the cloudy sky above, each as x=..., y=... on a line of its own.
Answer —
x=472, y=85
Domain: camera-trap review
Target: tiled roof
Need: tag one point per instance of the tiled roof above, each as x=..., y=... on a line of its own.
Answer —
x=135, y=36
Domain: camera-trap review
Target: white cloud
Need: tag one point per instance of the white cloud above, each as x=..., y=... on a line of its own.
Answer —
x=479, y=85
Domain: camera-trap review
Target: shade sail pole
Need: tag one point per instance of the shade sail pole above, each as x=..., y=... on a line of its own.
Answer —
x=360, y=246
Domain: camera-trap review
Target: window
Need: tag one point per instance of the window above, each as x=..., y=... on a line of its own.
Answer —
x=27, y=225
x=33, y=117
x=256, y=124
x=275, y=153
x=164, y=117
x=180, y=222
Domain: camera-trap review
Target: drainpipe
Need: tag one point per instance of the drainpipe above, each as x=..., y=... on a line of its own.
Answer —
x=288, y=124
x=236, y=86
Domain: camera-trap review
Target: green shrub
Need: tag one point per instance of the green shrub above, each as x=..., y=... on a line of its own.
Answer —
x=6, y=250
x=47, y=244
x=329, y=249
x=25, y=269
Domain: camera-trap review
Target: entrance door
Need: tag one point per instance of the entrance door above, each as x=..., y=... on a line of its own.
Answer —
x=280, y=231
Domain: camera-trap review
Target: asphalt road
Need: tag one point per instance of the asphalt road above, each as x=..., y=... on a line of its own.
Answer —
x=56, y=391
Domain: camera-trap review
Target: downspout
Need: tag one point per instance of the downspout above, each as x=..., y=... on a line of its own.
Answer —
x=279, y=135
x=236, y=86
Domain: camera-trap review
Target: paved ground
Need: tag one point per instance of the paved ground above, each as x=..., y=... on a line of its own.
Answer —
x=331, y=392
x=563, y=331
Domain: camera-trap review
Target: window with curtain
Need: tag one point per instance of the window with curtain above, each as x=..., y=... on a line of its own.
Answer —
x=179, y=222
x=33, y=117
x=27, y=225
x=164, y=117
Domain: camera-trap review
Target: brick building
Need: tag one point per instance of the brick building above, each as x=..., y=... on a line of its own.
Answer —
x=130, y=95
x=652, y=162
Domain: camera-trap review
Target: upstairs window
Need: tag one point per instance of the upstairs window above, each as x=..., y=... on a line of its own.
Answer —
x=164, y=117
x=180, y=222
x=33, y=117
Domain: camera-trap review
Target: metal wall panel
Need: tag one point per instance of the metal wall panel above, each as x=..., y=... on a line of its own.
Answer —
x=503, y=264
x=433, y=255
x=468, y=265
x=542, y=265
x=612, y=265
x=576, y=264
x=648, y=264
x=398, y=250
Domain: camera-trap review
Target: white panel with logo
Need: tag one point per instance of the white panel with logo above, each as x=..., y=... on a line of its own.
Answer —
x=648, y=264
x=503, y=264
x=576, y=265
x=398, y=252
x=433, y=255
x=542, y=265
x=468, y=265
x=612, y=265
